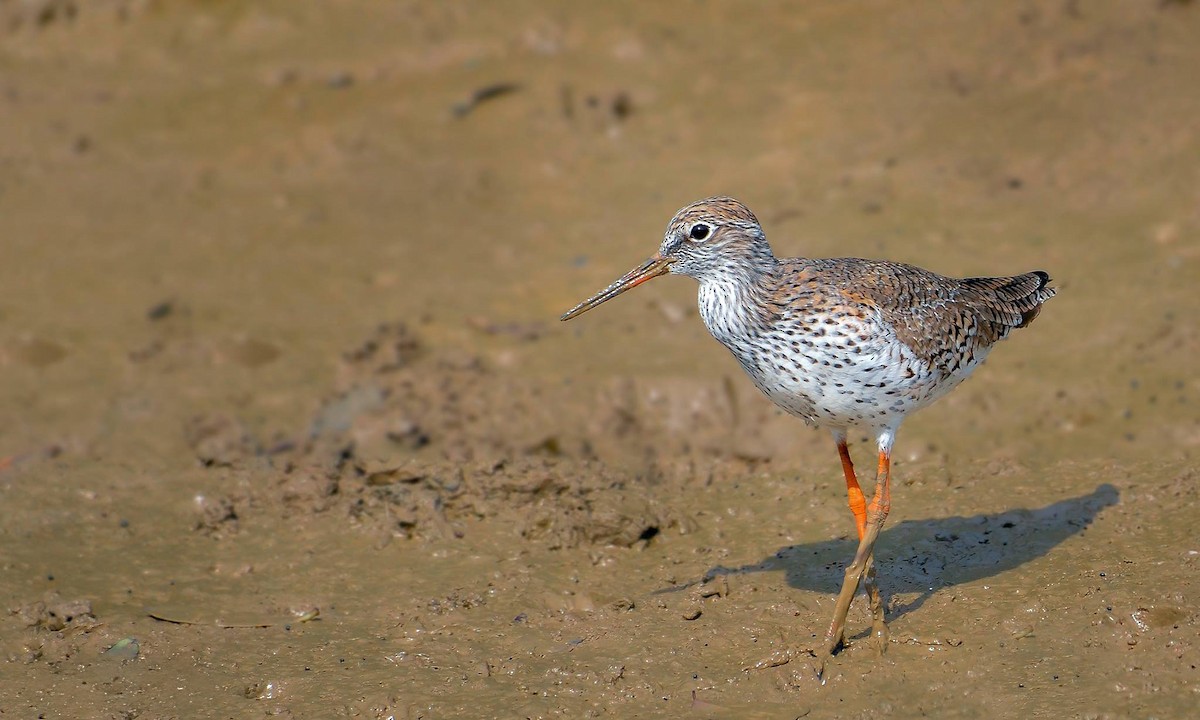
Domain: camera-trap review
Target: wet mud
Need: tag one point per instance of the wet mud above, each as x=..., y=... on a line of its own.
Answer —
x=291, y=428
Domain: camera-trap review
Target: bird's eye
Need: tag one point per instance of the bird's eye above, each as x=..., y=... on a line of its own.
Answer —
x=699, y=231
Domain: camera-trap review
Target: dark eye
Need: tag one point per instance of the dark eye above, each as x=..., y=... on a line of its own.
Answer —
x=699, y=231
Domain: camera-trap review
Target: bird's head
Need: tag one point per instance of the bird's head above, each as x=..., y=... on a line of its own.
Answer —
x=704, y=240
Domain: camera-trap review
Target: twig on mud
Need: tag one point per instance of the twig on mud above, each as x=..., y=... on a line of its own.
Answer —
x=299, y=617
x=482, y=95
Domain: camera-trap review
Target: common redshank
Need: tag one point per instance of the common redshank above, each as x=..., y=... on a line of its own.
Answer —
x=841, y=342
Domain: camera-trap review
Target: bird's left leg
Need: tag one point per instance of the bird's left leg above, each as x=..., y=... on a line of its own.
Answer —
x=877, y=513
x=858, y=506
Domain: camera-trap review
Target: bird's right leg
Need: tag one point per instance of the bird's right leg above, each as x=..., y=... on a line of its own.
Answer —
x=858, y=501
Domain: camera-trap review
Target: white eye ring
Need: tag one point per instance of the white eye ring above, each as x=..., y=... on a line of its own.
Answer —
x=700, y=231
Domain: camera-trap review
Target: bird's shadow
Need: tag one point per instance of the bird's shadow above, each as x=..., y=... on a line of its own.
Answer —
x=923, y=556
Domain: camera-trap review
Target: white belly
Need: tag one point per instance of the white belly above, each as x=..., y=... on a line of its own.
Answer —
x=831, y=383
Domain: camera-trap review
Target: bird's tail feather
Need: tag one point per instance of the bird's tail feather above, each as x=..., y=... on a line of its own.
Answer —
x=1010, y=301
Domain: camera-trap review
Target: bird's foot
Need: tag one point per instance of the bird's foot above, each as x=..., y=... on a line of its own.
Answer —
x=879, y=629
x=835, y=639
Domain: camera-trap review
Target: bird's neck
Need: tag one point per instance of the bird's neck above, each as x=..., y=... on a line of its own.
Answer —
x=734, y=299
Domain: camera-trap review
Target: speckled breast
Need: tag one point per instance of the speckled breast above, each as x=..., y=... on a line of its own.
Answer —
x=848, y=373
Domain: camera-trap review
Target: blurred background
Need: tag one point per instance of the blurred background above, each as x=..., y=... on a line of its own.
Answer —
x=291, y=176
x=207, y=208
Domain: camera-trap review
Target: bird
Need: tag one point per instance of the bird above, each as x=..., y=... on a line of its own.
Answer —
x=846, y=344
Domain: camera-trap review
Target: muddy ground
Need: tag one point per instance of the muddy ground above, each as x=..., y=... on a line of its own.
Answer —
x=290, y=426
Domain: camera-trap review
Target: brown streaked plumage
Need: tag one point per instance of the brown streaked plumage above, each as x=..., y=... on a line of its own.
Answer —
x=842, y=342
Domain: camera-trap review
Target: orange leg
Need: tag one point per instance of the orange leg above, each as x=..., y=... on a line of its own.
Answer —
x=858, y=501
x=858, y=506
x=881, y=503
x=863, y=565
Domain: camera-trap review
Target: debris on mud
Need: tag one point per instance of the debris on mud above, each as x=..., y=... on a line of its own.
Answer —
x=422, y=443
x=56, y=630
x=217, y=516
x=53, y=613
x=219, y=440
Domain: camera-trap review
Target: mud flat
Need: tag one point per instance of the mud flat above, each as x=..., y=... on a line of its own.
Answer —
x=290, y=427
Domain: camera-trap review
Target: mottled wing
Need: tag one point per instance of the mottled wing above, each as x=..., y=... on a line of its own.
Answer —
x=947, y=322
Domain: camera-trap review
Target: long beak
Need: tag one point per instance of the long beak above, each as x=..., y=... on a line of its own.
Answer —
x=652, y=268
